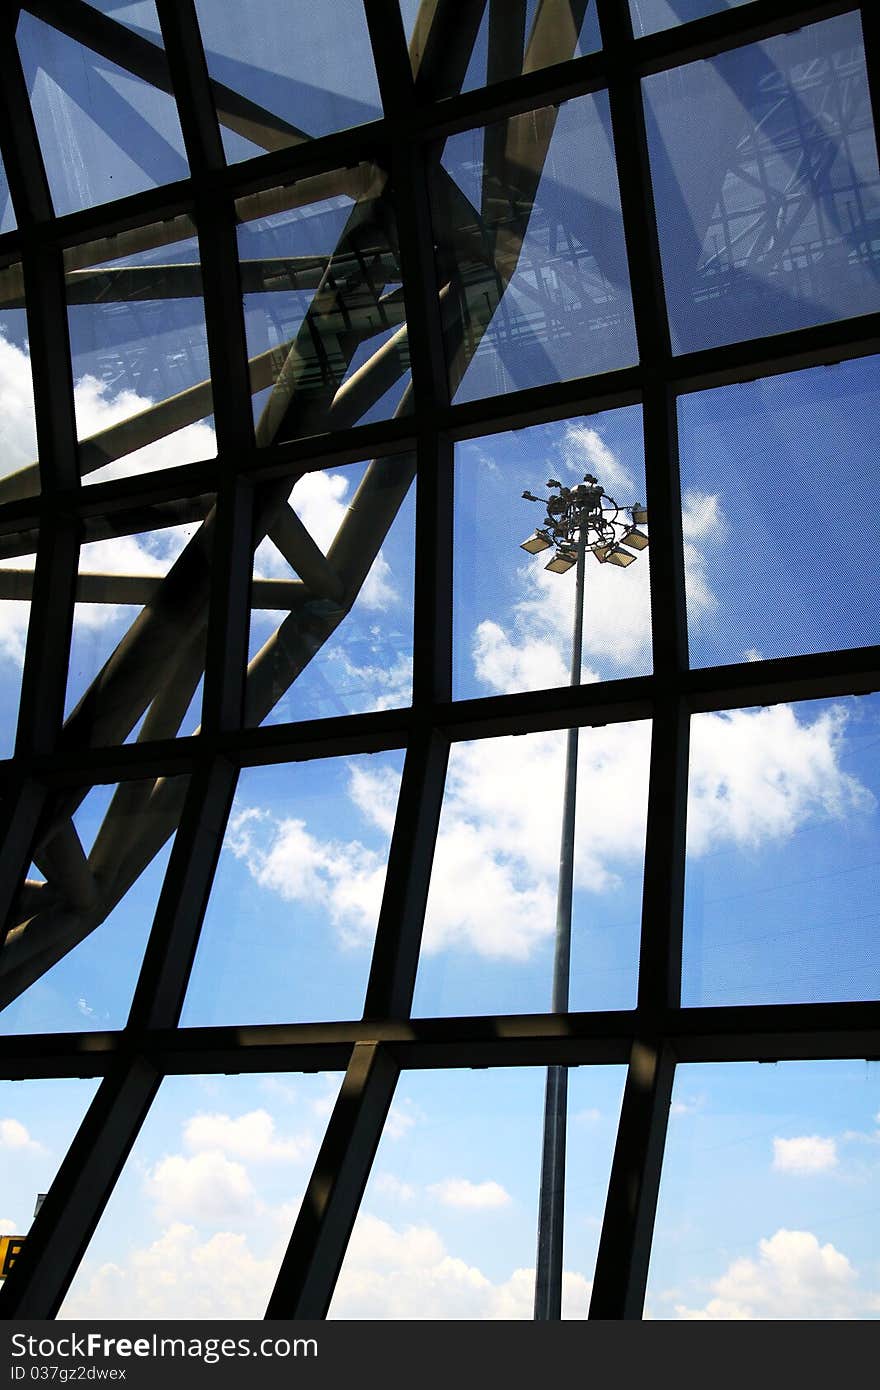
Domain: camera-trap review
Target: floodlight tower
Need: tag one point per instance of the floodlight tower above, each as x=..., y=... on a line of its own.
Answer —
x=579, y=520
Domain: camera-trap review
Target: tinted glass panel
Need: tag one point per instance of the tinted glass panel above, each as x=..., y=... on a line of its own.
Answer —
x=766, y=185
x=200, y=1218
x=81, y=920
x=766, y=1203
x=513, y=620
x=531, y=261
x=780, y=536
x=104, y=132
x=290, y=925
x=781, y=863
x=648, y=16
x=491, y=921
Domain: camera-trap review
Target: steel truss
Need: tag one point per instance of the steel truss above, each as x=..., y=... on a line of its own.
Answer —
x=194, y=623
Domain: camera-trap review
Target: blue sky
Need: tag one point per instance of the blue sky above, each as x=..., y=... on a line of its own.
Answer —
x=765, y=1208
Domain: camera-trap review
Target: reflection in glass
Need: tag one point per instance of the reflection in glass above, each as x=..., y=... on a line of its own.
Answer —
x=781, y=553
x=323, y=302
x=649, y=16
x=290, y=924
x=489, y=949
x=199, y=1221
x=517, y=37
x=512, y=620
x=7, y=211
x=82, y=918
x=104, y=131
x=139, y=632
x=38, y=1121
x=531, y=260
x=287, y=73
x=331, y=623
x=766, y=185
x=767, y=1203
x=19, y=473
x=448, y=1224
x=780, y=894
x=142, y=385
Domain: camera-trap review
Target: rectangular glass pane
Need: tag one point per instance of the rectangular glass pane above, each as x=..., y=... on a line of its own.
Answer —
x=514, y=620
x=290, y=924
x=766, y=185
x=767, y=1204
x=19, y=471
x=38, y=1121
x=104, y=131
x=650, y=16
x=780, y=898
x=200, y=1218
x=17, y=559
x=80, y=922
x=142, y=383
x=491, y=922
x=287, y=73
x=448, y=1224
x=462, y=48
x=332, y=593
x=323, y=304
x=137, y=653
x=531, y=261
x=778, y=480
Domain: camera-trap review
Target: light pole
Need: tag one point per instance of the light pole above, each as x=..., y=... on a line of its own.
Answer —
x=576, y=522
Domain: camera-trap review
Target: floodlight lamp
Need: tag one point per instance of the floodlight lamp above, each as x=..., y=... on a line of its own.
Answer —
x=601, y=553
x=553, y=482
x=619, y=556
x=588, y=478
x=639, y=514
x=535, y=543
x=561, y=563
x=636, y=540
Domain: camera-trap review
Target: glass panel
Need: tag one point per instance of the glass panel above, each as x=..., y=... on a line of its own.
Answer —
x=287, y=73
x=488, y=945
x=323, y=304
x=142, y=607
x=513, y=619
x=82, y=918
x=7, y=211
x=532, y=264
x=289, y=929
x=142, y=384
x=766, y=185
x=17, y=560
x=139, y=15
x=780, y=903
x=38, y=1121
x=19, y=472
x=767, y=1202
x=649, y=16
x=104, y=132
x=331, y=623
x=761, y=464
x=513, y=37
x=199, y=1221
x=448, y=1224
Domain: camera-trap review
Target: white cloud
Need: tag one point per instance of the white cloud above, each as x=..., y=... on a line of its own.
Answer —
x=474, y=1196
x=390, y=1274
x=8, y=1227
x=401, y=1118
x=585, y=451
x=793, y=1276
x=389, y=1185
x=208, y=1187
x=251, y=1136
x=16, y=1137
x=807, y=1154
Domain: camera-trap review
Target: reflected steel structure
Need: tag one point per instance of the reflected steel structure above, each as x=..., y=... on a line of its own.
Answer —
x=194, y=624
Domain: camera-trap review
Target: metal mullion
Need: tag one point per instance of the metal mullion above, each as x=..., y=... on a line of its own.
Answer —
x=627, y=1227
x=314, y=1256
x=191, y=85
x=165, y=972
x=79, y=1193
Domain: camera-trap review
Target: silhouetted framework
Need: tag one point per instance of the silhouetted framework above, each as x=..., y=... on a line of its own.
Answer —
x=410, y=225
